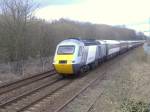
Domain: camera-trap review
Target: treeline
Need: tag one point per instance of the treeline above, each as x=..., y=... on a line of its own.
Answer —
x=23, y=36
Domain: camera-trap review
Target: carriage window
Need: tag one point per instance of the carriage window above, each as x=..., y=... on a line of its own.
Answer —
x=66, y=50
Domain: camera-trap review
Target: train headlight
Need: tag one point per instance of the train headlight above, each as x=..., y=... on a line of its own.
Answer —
x=71, y=61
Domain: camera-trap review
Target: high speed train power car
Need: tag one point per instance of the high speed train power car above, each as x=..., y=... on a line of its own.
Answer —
x=75, y=55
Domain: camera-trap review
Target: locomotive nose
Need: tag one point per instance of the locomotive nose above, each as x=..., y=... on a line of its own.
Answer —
x=63, y=64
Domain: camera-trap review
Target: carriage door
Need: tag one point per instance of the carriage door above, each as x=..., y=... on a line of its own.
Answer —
x=100, y=51
x=84, y=55
x=80, y=54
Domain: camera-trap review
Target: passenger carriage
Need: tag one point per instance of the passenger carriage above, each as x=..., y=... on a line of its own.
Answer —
x=113, y=48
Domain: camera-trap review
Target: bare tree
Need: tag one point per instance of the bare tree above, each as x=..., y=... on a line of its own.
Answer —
x=16, y=14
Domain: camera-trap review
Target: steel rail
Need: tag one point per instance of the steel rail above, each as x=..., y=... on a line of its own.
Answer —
x=7, y=87
x=14, y=99
x=78, y=93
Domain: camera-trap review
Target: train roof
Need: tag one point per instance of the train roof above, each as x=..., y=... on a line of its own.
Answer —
x=101, y=41
x=112, y=41
x=70, y=41
x=78, y=40
x=87, y=42
x=123, y=41
x=90, y=42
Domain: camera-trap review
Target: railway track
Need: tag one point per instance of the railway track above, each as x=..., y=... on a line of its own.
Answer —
x=35, y=84
x=101, y=77
x=26, y=100
x=23, y=102
x=6, y=87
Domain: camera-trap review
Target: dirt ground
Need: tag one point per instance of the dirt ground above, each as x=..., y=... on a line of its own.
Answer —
x=129, y=79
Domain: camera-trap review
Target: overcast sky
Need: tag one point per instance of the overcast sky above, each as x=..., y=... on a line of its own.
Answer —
x=111, y=12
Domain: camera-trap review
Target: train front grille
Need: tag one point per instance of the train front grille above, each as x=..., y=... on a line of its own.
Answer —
x=63, y=62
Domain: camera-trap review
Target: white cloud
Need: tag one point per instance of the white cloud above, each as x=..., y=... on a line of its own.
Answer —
x=100, y=11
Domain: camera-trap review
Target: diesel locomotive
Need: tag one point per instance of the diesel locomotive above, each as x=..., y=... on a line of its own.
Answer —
x=75, y=55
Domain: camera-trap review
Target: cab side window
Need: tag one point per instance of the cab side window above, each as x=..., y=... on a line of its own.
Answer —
x=80, y=51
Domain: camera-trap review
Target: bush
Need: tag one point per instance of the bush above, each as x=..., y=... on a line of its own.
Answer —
x=134, y=106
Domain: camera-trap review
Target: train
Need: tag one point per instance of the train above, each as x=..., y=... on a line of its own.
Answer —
x=74, y=55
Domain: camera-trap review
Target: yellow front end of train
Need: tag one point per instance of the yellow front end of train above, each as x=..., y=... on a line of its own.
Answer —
x=63, y=64
x=63, y=59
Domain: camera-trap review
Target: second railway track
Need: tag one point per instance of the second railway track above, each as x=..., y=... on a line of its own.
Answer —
x=4, y=88
x=101, y=77
x=28, y=99
x=14, y=91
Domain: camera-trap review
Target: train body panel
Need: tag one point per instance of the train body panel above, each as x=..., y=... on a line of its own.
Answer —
x=91, y=56
x=113, y=50
x=113, y=47
x=102, y=49
x=123, y=46
x=129, y=44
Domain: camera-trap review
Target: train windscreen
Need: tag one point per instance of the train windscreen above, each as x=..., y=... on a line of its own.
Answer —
x=66, y=50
